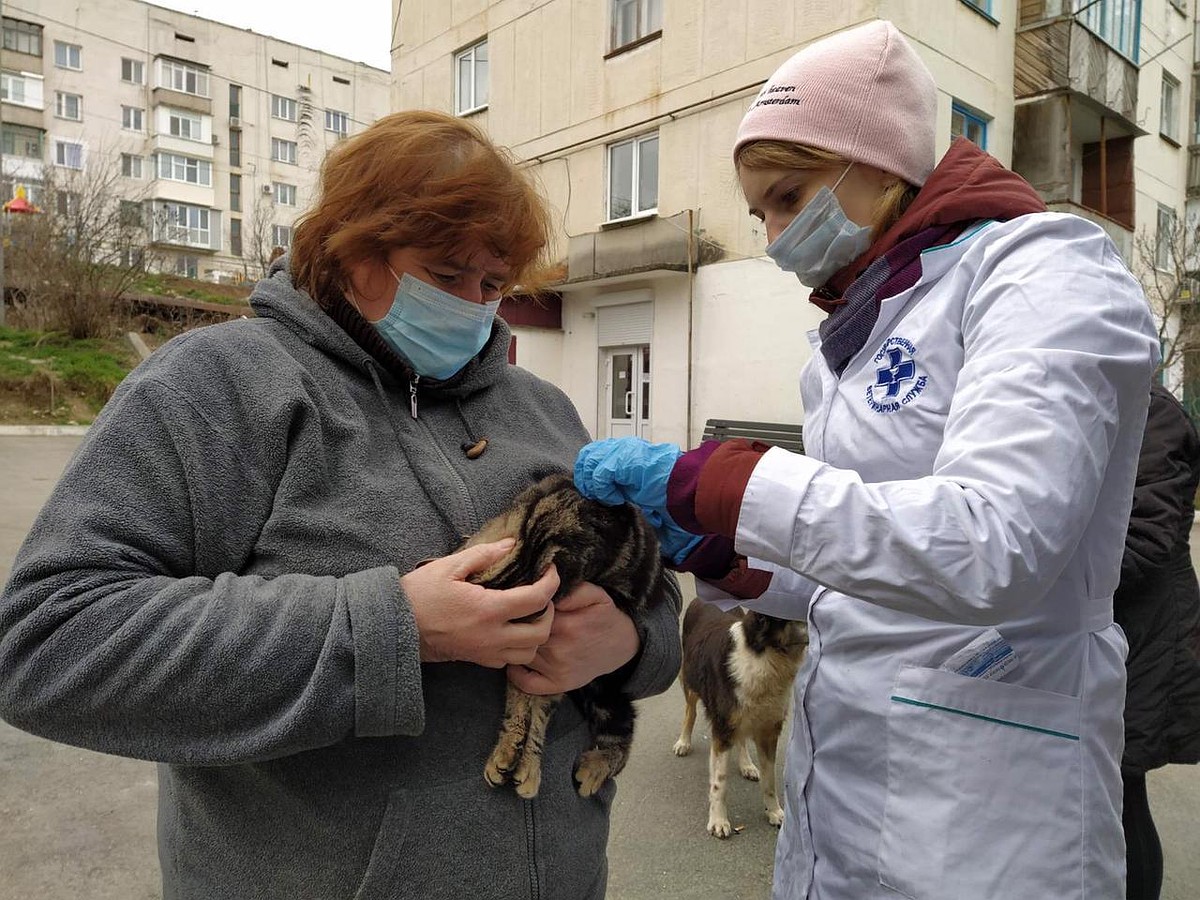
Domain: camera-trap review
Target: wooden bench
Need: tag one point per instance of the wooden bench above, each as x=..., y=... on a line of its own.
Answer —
x=777, y=434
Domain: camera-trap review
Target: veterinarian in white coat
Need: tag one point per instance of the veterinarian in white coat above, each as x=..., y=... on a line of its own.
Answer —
x=973, y=411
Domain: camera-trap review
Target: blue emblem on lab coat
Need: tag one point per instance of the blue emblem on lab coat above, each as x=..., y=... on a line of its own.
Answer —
x=897, y=379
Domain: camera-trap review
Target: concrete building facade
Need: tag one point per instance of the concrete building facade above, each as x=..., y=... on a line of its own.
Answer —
x=216, y=132
x=671, y=314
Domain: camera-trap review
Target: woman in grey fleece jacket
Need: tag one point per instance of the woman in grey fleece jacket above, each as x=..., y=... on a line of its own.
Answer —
x=223, y=579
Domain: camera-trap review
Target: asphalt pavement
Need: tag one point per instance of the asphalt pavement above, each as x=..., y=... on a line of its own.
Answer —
x=74, y=823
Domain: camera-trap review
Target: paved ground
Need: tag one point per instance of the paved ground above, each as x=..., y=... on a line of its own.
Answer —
x=81, y=824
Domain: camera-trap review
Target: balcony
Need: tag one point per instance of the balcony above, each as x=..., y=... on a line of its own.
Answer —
x=1056, y=54
x=1193, y=172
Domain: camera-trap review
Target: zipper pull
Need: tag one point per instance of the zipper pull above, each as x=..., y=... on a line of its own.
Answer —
x=412, y=395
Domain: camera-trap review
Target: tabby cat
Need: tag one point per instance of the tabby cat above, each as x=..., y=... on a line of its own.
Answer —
x=610, y=546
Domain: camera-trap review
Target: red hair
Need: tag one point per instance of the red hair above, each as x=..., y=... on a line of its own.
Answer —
x=419, y=179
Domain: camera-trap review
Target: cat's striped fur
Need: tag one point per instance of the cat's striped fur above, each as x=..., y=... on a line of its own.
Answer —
x=610, y=546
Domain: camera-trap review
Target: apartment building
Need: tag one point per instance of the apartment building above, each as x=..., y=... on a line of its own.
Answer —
x=216, y=132
x=669, y=312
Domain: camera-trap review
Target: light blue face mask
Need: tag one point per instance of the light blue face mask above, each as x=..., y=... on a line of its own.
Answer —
x=437, y=332
x=820, y=241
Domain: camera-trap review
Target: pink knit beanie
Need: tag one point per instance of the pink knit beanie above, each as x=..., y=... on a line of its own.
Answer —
x=863, y=94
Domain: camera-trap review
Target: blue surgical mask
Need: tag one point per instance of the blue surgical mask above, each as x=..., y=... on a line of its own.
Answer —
x=437, y=332
x=820, y=241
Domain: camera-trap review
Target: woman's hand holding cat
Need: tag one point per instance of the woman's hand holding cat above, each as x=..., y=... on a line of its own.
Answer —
x=461, y=621
x=590, y=637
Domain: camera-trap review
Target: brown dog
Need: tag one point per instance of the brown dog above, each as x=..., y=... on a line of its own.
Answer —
x=741, y=666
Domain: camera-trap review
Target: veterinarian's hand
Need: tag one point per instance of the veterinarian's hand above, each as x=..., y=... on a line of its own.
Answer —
x=617, y=470
x=460, y=621
x=590, y=637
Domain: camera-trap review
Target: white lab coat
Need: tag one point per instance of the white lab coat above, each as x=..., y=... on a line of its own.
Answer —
x=980, y=476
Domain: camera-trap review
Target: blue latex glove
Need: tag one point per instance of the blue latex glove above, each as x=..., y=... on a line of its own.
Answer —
x=617, y=470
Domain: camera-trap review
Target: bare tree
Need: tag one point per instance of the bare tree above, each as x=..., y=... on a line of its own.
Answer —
x=71, y=263
x=259, y=237
x=1167, y=262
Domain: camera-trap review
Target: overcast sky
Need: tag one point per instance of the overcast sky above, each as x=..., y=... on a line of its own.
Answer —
x=356, y=29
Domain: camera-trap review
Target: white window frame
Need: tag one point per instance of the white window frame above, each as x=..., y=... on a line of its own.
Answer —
x=648, y=15
x=28, y=86
x=136, y=69
x=464, y=106
x=20, y=135
x=174, y=75
x=176, y=119
x=133, y=118
x=193, y=231
x=132, y=165
x=61, y=159
x=285, y=194
x=63, y=54
x=634, y=212
x=184, y=169
x=1168, y=108
x=333, y=118
x=1164, y=235
x=61, y=99
x=1116, y=22
x=280, y=144
x=278, y=231
x=283, y=108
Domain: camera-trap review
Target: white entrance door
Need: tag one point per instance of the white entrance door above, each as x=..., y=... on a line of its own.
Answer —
x=627, y=391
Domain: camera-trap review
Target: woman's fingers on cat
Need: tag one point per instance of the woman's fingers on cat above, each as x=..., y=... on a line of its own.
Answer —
x=529, y=600
x=530, y=680
x=474, y=559
x=585, y=594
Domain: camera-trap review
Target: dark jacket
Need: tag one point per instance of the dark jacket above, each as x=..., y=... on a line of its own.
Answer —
x=214, y=585
x=1158, y=602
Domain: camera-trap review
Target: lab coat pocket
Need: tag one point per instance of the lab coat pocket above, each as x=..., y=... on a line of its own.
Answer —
x=983, y=790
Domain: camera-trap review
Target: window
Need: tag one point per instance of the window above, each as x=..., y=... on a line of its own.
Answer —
x=23, y=90
x=283, y=108
x=633, y=20
x=180, y=223
x=173, y=167
x=966, y=122
x=184, y=125
x=22, y=37
x=471, y=81
x=633, y=177
x=179, y=76
x=283, y=151
x=131, y=118
x=984, y=6
x=131, y=165
x=235, y=193
x=235, y=101
x=337, y=122
x=67, y=203
x=337, y=79
x=285, y=194
x=68, y=154
x=281, y=235
x=68, y=106
x=131, y=214
x=235, y=237
x=1114, y=21
x=1168, y=108
x=68, y=56
x=133, y=258
x=133, y=71
x=1164, y=239
x=21, y=140
x=235, y=148
x=187, y=266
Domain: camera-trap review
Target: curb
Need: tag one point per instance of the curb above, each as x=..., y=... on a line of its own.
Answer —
x=42, y=430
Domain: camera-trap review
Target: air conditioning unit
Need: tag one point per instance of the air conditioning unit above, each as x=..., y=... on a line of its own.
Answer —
x=235, y=122
x=266, y=189
x=216, y=140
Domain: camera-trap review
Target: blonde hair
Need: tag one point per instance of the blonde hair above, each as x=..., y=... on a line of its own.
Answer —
x=889, y=207
x=420, y=179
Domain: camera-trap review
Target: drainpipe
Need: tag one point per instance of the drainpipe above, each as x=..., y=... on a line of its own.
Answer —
x=691, y=305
